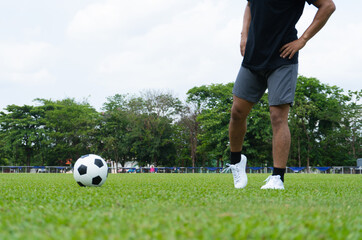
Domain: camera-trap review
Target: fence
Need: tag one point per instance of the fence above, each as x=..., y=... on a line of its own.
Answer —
x=331, y=170
x=35, y=169
x=68, y=169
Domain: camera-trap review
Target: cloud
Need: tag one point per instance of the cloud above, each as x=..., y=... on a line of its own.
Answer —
x=104, y=47
x=111, y=18
x=179, y=53
x=26, y=63
x=94, y=20
x=334, y=55
x=38, y=77
x=24, y=56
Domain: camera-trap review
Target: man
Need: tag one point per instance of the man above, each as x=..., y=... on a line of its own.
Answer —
x=269, y=45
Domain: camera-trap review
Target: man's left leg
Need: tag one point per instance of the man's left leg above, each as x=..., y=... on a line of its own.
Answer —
x=281, y=138
x=281, y=90
x=281, y=145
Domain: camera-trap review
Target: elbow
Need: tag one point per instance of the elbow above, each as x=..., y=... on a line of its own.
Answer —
x=331, y=7
x=327, y=7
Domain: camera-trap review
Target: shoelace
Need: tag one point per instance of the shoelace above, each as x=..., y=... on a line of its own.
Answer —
x=230, y=166
x=268, y=179
x=235, y=173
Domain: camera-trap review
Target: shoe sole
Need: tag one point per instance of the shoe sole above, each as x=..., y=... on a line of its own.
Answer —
x=273, y=188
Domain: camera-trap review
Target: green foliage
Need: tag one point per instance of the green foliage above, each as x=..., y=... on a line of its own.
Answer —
x=70, y=128
x=114, y=138
x=153, y=140
x=22, y=132
x=179, y=206
x=47, y=134
x=140, y=128
x=214, y=103
x=324, y=124
x=257, y=144
x=157, y=128
x=186, y=134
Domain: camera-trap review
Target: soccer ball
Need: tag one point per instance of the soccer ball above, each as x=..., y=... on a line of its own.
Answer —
x=90, y=170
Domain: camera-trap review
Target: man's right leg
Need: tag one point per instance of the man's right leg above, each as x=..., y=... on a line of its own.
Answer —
x=237, y=127
x=237, y=130
x=248, y=89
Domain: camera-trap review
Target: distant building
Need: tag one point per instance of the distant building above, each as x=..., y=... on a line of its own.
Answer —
x=359, y=162
x=113, y=165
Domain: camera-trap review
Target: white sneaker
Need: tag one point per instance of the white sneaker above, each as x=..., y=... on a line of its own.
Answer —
x=239, y=174
x=273, y=182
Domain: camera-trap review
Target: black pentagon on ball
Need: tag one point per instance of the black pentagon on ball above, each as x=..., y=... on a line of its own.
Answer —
x=82, y=169
x=96, y=180
x=81, y=184
x=98, y=162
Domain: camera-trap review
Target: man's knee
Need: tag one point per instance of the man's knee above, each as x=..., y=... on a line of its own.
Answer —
x=277, y=120
x=237, y=114
x=279, y=115
x=240, y=109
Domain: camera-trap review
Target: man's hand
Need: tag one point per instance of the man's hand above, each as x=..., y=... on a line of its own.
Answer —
x=289, y=49
x=325, y=10
x=242, y=45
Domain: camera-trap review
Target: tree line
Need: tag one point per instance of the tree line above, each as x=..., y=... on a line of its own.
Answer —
x=158, y=128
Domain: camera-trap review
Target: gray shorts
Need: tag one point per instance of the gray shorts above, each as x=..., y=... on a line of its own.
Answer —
x=281, y=83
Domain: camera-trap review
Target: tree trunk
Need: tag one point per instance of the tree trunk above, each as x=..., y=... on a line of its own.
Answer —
x=353, y=145
x=28, y=156
x=308, y=162
x=193, y=142
x=193, y=150
x=299, y=160
x=116, y=166
x=308, y=145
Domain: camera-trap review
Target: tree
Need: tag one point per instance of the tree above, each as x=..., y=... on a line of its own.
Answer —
x=258, y=138
x=156, y=128
x=187, y=135
x=5, y=150
x=214, y=102
x=352, y=123
x=140, y=128
x=21, y=130
x=70, y=127
x=154, y=115
x=322, y=119
x=153, y=140
x=115, y=133
x=161, y=104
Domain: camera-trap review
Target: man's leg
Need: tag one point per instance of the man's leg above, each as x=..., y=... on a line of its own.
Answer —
x=237, y=127
x=281, y=137
x=281, y=145
x=249, y=87
x=281, y=88
x=237, y=130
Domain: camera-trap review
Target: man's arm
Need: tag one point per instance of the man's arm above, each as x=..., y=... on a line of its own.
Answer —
x=325, y=10
x=245, y=31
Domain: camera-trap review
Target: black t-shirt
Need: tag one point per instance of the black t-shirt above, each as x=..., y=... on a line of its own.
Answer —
x=272, y=25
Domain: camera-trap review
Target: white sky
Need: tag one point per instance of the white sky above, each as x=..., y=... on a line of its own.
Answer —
x=94, y=49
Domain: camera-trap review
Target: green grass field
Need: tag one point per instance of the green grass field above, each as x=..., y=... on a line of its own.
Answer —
x=180, y=206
